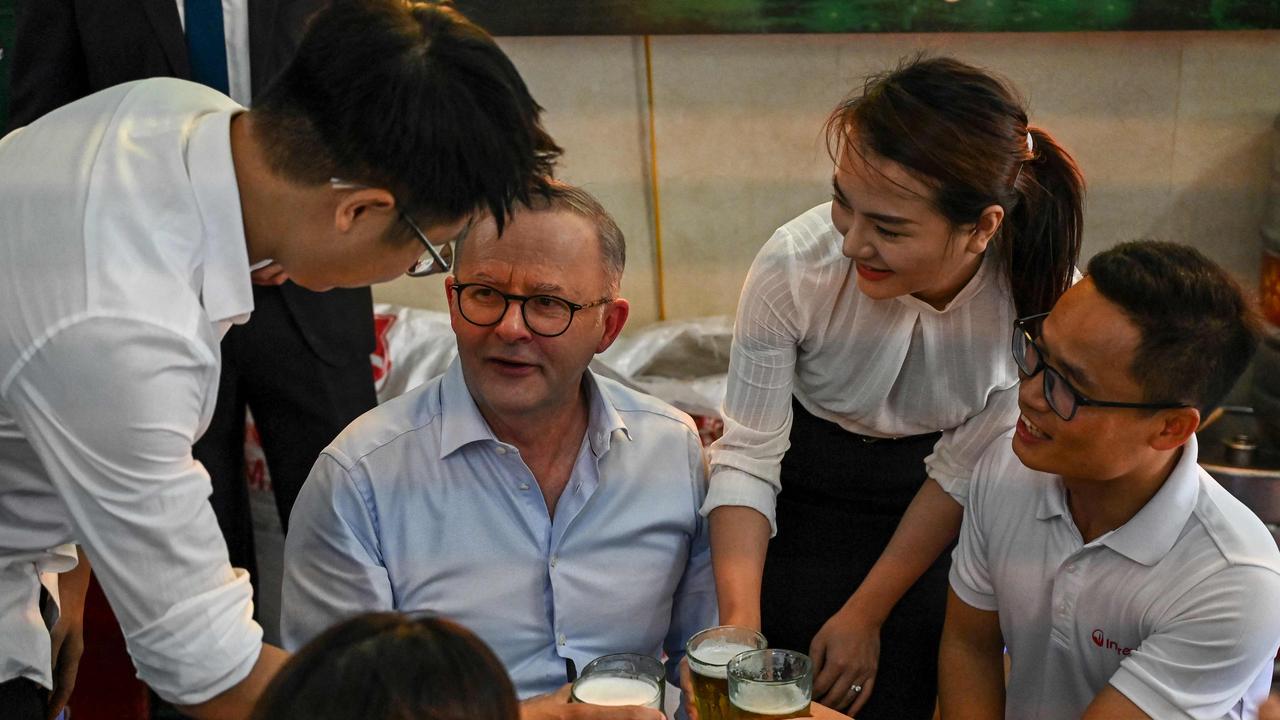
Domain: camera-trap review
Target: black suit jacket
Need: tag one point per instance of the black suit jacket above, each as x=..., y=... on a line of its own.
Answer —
x=66, y=49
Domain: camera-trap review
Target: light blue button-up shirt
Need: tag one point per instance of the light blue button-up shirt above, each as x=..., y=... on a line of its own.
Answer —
x=418, y=507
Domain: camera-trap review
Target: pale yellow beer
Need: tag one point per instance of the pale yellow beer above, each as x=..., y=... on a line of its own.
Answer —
x=769, y=702
x=770, y=684
x=617, y=690
x=709, y=653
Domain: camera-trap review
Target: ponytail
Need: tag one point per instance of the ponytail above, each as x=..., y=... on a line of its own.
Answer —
x=1040, y=239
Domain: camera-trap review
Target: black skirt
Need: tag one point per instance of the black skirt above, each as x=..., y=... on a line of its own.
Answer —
x=842, y=498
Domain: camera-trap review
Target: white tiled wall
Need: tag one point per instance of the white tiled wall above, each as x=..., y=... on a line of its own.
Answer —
x=1173, y=131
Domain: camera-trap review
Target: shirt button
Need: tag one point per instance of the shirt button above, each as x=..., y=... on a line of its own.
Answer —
x=554, y=560
x=1071, y=568
x=502, y=450
x=1062, y=609
x=561, y=639
x=524, y=486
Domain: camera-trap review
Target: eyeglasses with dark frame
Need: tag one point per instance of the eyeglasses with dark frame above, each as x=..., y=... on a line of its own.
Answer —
x=432, y=261
x=1061, y=396
x=548, y=316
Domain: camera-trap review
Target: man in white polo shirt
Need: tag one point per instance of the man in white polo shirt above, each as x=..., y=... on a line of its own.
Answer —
x=1124, y=580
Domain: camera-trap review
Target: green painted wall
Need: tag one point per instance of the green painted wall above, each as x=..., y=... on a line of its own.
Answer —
x=656, y=17
x=6, y=43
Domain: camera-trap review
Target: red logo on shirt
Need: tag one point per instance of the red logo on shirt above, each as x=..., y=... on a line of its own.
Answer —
x=1100, y=639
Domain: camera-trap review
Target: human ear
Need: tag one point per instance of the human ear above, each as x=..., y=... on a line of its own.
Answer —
x=361, y=202
x=984, y=229
x=1175, y=427
x=614, y=318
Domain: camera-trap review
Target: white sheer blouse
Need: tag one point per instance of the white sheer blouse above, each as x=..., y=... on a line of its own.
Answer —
x=883, y=368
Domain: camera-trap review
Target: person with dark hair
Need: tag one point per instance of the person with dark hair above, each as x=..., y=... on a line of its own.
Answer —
x=866, y=375
x=130, y=222
x=1124, y=580
x=389, y=666
x=302, y=363
x=551, y=511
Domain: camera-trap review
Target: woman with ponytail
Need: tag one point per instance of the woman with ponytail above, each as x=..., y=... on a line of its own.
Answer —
x=870, y=368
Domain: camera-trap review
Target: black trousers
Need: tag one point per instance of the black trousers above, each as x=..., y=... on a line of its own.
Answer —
x=299, y=402
x=841, y=500
x=23, y=699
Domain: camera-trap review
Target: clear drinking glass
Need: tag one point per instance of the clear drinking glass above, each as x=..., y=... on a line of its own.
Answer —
x=770, y=684
x=709, y=653
x=621, y=679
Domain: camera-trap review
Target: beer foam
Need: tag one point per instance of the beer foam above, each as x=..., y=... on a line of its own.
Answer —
x=614, y=691
x=713, y=655
x=770, y=699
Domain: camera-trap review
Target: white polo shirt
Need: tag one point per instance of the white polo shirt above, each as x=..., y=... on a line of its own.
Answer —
x=1178, y=609
x=122, y=263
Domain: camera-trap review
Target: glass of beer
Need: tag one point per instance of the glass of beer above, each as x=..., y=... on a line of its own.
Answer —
x=709, y=653
x=620, y=679
x=770, y=684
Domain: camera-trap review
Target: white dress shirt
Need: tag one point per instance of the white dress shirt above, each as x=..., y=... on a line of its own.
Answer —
x=235, y=28
x=1178, y=609
x=883, y=368
x=124, y=259
x=416, y=506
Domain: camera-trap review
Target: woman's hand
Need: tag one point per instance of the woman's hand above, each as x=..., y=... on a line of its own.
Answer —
x=845, y=653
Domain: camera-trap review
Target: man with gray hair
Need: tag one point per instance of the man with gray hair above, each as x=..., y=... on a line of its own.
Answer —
x=551, y=511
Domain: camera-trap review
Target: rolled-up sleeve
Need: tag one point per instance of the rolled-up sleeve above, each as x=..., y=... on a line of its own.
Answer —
x=956, y=453
x=333, y=567
x=112, y=407
x=746, y=460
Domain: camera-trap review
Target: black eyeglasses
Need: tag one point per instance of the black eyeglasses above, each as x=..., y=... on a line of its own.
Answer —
x=1062, y=398
x=431, y=261
x=545, y=315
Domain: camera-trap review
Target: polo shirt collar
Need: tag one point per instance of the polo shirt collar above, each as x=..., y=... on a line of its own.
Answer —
x=1053, y=498
x=463, y=424
x=226, y=291
x=1150, y=534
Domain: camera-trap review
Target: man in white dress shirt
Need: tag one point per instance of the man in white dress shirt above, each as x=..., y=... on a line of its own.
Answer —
x=551, y=511
x=1125, y=582
x=129, y=224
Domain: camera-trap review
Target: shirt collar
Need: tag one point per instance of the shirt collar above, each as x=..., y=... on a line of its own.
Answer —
x=970, y=289
x=604, y=419
x=226, y=291
x=463, y=424
x=1053, y=498
x=1150, y=534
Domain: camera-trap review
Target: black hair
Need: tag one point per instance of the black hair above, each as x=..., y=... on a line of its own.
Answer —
x=1198, y=331
x=963, y=132
x=412, y=97
x=387, y=666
